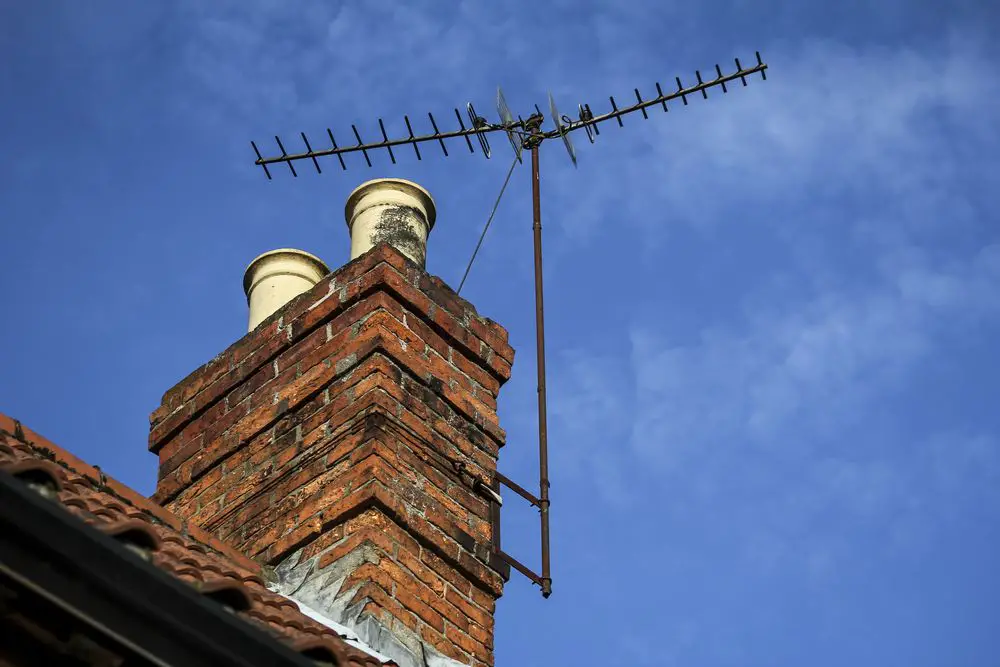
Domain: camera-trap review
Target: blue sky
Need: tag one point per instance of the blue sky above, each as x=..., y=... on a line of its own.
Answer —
x=772, y=315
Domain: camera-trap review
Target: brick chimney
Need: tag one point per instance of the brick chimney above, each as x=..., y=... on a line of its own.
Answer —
x=350, y=443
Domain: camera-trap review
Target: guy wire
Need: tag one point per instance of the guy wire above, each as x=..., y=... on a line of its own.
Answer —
x=488, y=221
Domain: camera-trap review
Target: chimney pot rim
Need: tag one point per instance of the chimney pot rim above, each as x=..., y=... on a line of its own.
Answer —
x=248, y=274
x=395, y=184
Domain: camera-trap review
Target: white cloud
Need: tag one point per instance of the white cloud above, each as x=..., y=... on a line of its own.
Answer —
x=873, y=150
x=831, y=124
x=808, y=367
x=787, y=418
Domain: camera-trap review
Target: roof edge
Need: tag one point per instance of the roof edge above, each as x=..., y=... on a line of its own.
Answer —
x=49, y=450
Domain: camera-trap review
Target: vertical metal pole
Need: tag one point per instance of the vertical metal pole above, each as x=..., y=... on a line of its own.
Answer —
x=543, y=444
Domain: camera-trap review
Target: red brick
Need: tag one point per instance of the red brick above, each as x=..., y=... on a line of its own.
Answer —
x=196, y=381
x=467, y=643
x=329, y=537
x=423, y=573
x=409, y=600
x=445, y=571
x=369, y=573
x=352, y=442
x=481, y=635
x=475, y=567
x=445, y=646
x=462, y=360
x=178, y=456
x=474, y=613
x=384, y=603
x=407, y=582
x=484, y=600
x=251, y=385
x=354, y=541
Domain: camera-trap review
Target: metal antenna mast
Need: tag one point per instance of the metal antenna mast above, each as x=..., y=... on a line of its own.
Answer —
x=526, y=134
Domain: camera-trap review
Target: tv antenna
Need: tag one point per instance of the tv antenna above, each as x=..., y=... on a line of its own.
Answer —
x=524, y=135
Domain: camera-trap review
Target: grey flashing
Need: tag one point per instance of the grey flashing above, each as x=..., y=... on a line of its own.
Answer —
x=319, y=594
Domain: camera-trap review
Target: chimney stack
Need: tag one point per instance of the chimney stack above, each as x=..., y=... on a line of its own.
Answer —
x=276, y=277
x=398, y=212
x=351, y=444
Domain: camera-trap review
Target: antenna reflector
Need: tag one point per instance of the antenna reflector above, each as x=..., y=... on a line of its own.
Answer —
x=409, y=128
x=385, y=138
x=479, y=123
x=260, y=160
x=361, y=145
x=507, y=120
x=333, y=142
x=638, y=99
x=760, y=64
x=310, y=153
x=558, y=120
x=285, y=155
x=437, y=134
x=461, y=126
x=587, y=115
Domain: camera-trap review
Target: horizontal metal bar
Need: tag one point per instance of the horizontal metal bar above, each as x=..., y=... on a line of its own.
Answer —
x=517, y=565
x=681, y=93
x=259, y=158
x=333, y=142
x=518, y=489
x=309, y=148
x=465, y=133
x=438, y=136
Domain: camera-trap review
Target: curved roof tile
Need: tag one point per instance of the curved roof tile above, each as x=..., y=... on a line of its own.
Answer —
x=182, y=550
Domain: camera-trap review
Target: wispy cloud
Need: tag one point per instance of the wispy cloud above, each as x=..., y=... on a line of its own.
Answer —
x=834, y=125
x=790, y=382
x=865, y=166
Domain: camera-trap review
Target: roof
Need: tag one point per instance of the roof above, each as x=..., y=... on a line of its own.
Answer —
x=178, y=548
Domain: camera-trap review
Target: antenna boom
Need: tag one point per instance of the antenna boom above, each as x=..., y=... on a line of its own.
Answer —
x=387, y=144
x=515, y=129
x=682, y=93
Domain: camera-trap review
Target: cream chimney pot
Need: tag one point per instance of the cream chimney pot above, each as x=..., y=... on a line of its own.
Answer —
x=393, y=210
x=276, y=277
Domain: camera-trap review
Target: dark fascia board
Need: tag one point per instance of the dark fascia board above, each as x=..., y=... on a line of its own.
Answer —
x=101, y=582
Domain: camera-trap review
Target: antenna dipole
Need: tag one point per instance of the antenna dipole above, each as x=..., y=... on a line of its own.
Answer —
x=527, y=135
x=480, y=126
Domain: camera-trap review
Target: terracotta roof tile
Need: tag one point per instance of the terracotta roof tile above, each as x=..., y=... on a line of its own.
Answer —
x=183, y=550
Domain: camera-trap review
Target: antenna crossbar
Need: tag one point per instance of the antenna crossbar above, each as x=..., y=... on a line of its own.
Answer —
x=616, y=113
x=523, y=133
x=388, y=144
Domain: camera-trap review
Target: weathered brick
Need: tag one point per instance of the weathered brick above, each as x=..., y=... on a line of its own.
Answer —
x=261, y=377
x=481, y=635
x=467, y=643
x=455, y=580
x=355, y=415
x=326, y=539
x=474, y=613
x=405, y=581
x=444, y=645
x=369, y=573
x=354, y=541
x=385, y=603
x=187, y=449
x=411, y=601
x=423, y=573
